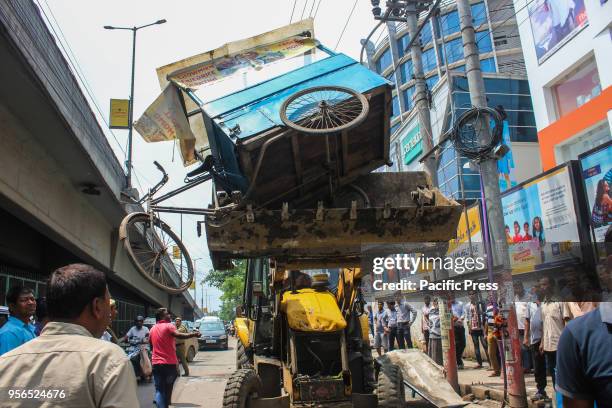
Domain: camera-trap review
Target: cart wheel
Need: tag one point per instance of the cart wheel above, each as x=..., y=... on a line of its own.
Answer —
x=156, y=252
x=324, y=109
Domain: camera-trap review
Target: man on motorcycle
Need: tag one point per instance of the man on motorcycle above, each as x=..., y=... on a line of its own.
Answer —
x=137, y=335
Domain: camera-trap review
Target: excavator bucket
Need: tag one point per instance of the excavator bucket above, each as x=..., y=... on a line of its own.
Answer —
x=378, y=208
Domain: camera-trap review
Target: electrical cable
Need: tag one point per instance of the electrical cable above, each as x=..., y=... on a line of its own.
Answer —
x=304, y=9
x=317, y=9
x=73, y=62
x=292, y=10
x=346, y=25
x=473, y=149
x=312, y=8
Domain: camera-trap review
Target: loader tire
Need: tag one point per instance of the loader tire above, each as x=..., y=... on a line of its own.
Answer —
x=242, y=358
x=242, y=385
x=390, y=388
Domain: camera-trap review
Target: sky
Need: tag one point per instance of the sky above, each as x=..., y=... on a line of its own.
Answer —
x=104, y=61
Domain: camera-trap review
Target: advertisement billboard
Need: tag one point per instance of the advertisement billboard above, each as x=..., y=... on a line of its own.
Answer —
x=596, y=168
x=541, y=222
x=469, y=235
x=555, y=22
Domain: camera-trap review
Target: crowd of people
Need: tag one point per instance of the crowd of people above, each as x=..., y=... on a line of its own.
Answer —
x=49, y=343
x=566, y=343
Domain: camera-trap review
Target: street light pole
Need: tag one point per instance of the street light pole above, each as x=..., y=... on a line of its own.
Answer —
x=128, y=164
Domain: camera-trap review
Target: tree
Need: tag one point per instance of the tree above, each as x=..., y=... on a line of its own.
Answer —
x=231, y=284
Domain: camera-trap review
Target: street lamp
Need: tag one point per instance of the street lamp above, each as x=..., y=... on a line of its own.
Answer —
x=128, y=178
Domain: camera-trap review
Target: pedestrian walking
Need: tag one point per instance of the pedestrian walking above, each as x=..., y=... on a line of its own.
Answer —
x=380, y=337
x=406, y=315
x=434, y=349
x=68, y=357
x=458, y=318
x=18, y=329
x=554, y=315
x=475, y=316
x=491, y=333
x=584, y=360
x=180, y=347
x=162, y=337
x=532, y=338
x=391, y=324
x=425, y=320
x=521, y=298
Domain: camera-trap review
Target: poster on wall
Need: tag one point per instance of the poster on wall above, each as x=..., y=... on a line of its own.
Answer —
x=505, y=165
x=541, y=223
x=555, y=22
x=469, y=235
x=597, y=175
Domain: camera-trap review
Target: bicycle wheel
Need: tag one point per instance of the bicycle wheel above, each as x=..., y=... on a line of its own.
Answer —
x=324, y=109
x=157, y=252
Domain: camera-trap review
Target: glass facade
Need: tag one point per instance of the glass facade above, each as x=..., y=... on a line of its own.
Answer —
x=442, y=44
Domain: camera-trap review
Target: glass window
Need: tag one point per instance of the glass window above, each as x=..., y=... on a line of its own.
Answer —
x=395, y=127
x=449, y=23
x=391, y=77
x=520, y=118
x=460, y=68
x=510, y=102
x=577, y=88
x=454, y=50
x=402, y=43
x=461, y=99
x=408, y=96
x=396, y=107
x=432, y=81
x=479, y=14
x=429, y=60
x=471, y=182
x=507, y=86
x=487, y=65
x=523, y=134
x=384, y=61
x=483, y=40
x=426, y=36
x=406, y=71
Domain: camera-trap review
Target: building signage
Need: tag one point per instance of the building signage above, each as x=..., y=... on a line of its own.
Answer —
x=412, y=144
x=541, y=222
x=597, y=175
x=553, y=23
x=469, y=235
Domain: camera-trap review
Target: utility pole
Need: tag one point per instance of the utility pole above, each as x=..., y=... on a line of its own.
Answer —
x=493, y=209
x=408, y=11
x=421, y=95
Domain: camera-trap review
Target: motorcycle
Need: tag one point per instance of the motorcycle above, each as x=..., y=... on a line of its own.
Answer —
x=139, y=354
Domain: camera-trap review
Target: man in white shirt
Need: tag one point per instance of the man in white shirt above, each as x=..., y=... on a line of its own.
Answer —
x=406, y=315
x=138, y=331
x=425, y=320
x=391, y=324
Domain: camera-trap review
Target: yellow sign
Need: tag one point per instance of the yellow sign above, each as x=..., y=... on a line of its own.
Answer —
x=468, y=231
x=176, y=252
x=119, y=114
x=193, y=285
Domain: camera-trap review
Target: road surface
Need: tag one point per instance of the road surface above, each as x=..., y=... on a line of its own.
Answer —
x=206, y=383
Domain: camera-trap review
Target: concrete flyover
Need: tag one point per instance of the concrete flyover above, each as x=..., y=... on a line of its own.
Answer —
x=50, y=147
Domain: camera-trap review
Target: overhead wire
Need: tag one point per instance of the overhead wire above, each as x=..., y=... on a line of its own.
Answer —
x=317, y=9
x=346, y=24
x=73, y=62
x=304, y=9
x=312, y=8
x=292, y=10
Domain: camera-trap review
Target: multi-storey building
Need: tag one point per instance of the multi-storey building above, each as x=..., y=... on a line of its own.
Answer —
x=567, y=47
x=505, y=81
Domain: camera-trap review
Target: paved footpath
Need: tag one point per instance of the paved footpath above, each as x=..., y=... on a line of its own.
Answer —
x=206, y=383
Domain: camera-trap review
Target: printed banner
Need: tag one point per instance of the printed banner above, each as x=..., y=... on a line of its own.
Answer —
x=469, y=235
x=195, y=76
x=119, y=114
x=164, y=120
x=597, y=175
x=553, y=23
x=541, y=223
